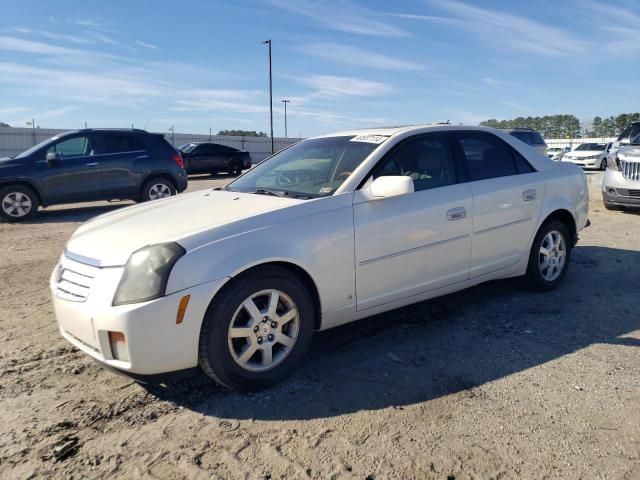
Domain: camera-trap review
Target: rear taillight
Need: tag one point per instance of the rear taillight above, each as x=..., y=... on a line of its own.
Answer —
x=178, y=159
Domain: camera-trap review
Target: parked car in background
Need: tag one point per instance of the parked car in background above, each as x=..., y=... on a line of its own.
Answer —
x=207, y=157
x=621, y=180
x=556, y=153
x=330, y=230
x=529, y=136
x=90, y=164
x=589, y=155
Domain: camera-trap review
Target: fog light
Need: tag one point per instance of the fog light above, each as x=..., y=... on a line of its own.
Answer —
x=118, y=344
x=611, y=191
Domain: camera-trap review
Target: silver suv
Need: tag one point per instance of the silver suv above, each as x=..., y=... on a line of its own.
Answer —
x=621, y=180
x=531, y=137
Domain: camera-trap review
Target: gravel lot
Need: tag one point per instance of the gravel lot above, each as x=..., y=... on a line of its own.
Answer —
x=492, y=382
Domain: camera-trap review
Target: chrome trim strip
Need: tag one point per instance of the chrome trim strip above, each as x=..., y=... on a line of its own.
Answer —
x=491, y=229
x=82, y=259
x=411, y=250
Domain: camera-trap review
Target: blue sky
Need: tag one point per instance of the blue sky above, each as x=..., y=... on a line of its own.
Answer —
x=198, y=64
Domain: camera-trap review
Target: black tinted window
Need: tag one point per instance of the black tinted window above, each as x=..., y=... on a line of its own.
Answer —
x=118, y=143
x=427, y=160
x=524, y=136
x=225, y=149
x=521, y=163
x=537, y=138
x=487, y=156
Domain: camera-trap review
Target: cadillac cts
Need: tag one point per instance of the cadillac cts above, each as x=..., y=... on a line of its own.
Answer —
x=331, y=230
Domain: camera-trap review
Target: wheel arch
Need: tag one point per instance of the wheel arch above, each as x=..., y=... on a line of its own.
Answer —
x=566, y=217
x=296, y=270
x=25, y=183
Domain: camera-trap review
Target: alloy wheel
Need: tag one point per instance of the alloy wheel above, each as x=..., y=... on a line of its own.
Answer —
x=159, y=190
x=552, y=255
x=263, y=330
x=16, y=204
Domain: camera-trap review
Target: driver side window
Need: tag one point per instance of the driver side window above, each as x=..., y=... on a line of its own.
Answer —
x=73, y=147
x=427, y=160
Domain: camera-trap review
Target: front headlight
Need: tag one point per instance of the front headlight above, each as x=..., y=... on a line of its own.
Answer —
x=146, y=273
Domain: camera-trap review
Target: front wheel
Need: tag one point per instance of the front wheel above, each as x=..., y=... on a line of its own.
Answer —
x=550, y=256
x=157, y=188
x=603, y=164
x=17, y=203
x=257, y=330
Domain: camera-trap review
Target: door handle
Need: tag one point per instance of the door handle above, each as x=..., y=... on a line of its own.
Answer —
x=92, y=164
x=457, y=213
x=529, y=195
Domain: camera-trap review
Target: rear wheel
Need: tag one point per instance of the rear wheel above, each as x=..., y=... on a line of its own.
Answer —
x=550, y=256
x=157, y=188
x=257, y=330
x=235, y=168
x=17, y=203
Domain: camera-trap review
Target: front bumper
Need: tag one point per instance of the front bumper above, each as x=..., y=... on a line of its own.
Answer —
x=617, y=190
x=589, y=163
x=155, y=344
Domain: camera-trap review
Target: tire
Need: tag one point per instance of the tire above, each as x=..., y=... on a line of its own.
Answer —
x=237, y=361
x=603, y=164
x=235, y=168
x=547, y=278
x=18, y=203
x=156, y=188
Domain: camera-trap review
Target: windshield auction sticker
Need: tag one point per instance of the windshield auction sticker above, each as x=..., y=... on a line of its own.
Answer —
x=369, y=138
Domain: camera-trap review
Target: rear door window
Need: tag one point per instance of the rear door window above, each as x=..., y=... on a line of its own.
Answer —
x=487, y=156
x=524, y=136
x=537, y=138
x=119, y=143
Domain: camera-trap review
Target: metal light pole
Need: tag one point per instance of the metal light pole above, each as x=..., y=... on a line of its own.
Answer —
x=173, y=135
x=33, y=125
x=285, y=117
x=268, y=42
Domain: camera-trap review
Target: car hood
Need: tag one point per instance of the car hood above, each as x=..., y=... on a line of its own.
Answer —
x=582, y=153
x=629, y=153
x=109, y=239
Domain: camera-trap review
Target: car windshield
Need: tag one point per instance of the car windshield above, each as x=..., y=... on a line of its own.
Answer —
x=309, y=169
x=35, y=148
x=187, y=147
x=592, y=147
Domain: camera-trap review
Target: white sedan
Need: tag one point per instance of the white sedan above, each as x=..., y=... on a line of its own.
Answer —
x=589, y=155
x=330, y=230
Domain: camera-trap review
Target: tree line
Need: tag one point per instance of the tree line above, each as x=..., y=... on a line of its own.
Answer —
x=568, y=126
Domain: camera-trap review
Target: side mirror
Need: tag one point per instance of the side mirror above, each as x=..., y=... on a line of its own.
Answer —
x=392, y=186
x=52, y=159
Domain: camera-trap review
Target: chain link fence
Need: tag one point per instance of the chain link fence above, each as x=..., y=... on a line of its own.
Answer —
x=16, y=140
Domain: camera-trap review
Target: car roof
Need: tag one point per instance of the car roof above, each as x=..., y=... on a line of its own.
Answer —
x=105, y=130
x=390, y=131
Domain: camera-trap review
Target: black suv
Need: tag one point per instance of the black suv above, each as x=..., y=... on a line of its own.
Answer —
x=207, y=157
x=87, y=165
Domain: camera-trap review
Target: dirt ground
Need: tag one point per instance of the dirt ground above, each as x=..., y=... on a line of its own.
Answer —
x=493, y=382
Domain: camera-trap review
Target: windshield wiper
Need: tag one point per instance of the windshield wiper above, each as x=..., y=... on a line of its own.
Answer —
x=274, y=193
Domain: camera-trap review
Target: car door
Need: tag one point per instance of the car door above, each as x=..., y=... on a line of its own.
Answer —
x=119, y=154
x=74, y=176
x=507, y=198
x=414, y=243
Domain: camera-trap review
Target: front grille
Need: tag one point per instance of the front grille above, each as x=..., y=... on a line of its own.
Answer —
x=634, y=193
x=73, y=283
x=630, y=170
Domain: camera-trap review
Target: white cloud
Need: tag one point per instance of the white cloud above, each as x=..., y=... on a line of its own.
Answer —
x=329, y=85
x=147, y=45
x=509, y=31
x=357, y=56
x=343, y=16
x=494, y=82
